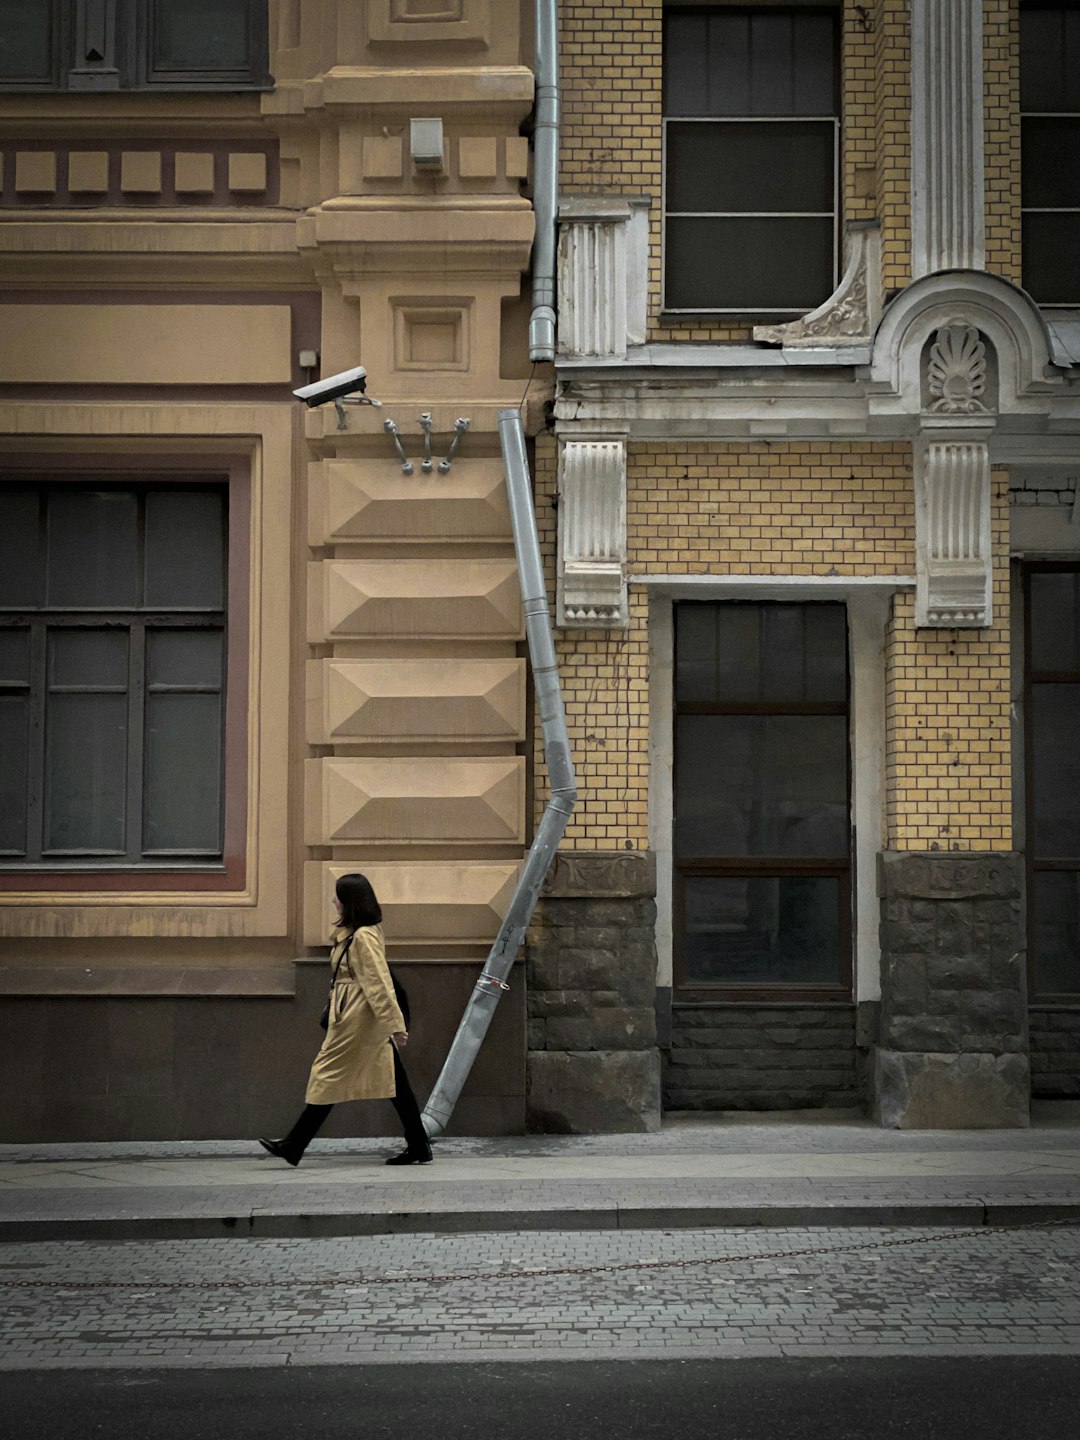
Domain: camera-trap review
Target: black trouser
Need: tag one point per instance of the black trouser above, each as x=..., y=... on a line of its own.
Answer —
x=404, y=1102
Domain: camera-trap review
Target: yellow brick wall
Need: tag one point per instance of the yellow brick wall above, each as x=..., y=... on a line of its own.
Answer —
x=771, y=508
x=611, y=74
x=948, y=740
x=892, y=91
x=858, y=141
x=761, y=509
x=1001, y=41
x=605, y=682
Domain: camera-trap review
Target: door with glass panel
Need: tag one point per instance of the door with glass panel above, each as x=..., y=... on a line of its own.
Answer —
x=1052, y=744
x=762, y=855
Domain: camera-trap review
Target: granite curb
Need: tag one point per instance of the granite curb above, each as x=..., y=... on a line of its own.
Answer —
x=210, y=1223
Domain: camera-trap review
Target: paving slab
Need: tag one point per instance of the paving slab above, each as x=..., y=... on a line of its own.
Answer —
x=697, y=1171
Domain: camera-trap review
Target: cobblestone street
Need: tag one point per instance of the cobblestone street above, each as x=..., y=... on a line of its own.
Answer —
x=439, y=1297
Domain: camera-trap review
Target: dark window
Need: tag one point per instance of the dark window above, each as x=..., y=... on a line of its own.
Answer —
x=1053, y=778
x=1050, y=150
x=133, y=44
x=761, y=839
x=750, y=167
x=112, y=674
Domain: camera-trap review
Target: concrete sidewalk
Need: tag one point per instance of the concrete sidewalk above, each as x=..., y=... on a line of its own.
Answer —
x=716, y=1170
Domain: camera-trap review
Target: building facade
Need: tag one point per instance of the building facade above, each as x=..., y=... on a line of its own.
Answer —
x=245, y=650
x=815, y=465
x=805, y=476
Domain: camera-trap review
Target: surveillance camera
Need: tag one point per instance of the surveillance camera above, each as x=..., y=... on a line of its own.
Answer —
x=334, y=387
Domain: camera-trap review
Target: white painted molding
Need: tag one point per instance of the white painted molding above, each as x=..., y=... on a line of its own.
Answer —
x=850, y=315
x=953, y=556
x=1004, y=316
x=593, y=276
x=946, y=136
x=956, y=372
x=591, y=588
x=603, y=276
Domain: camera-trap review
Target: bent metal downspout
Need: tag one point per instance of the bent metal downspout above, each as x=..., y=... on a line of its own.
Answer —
x=560, y=769
x=545, y=181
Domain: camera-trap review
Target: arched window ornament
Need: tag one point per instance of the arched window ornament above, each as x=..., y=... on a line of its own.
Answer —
x=956, y=372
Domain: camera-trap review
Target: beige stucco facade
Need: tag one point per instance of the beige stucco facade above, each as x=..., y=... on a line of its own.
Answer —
x=169, y=259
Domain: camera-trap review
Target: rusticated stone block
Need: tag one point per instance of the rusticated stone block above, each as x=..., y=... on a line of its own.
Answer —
x=591, y=968
x=953, y=962
x=928, y=1091
x=610, y=1029
x=595, y=1093
x=415, y=700
x=550, y=1004
x=461, y=901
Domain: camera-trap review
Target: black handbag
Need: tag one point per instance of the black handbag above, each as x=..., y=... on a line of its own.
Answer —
x=324, y=1018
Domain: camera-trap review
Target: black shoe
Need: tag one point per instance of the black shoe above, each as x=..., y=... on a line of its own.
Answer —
x=411, y=1156
x=283, y=1151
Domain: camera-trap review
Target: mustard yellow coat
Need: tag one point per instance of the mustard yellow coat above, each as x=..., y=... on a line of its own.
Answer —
x=356, y=1061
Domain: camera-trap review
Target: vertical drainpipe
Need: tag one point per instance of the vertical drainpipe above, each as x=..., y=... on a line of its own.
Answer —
x=545, y=180
x=560, y=769
x=557, y=759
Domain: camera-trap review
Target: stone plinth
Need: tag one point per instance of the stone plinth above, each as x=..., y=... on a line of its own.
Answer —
x=593, y=1066
x=952, y=1049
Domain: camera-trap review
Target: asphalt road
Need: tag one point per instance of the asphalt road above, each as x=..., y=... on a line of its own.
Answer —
x=1000, y=1398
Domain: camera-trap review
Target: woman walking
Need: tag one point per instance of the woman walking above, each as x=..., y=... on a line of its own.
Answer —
x=368, y=1018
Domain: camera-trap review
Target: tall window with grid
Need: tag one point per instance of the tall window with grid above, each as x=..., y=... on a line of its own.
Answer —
x=762, y=854
x=751, y=145
x=112, y=674
x=1050, y=150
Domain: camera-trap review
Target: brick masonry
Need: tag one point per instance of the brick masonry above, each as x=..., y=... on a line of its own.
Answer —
x=611, y=77
x=761, y=1057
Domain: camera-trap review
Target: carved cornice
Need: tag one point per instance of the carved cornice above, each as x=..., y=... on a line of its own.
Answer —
x=592, y=874
x=851, y=313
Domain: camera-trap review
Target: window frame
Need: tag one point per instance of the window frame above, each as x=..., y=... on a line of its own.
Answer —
x=753, y=311
x=1043, y=209
x=691, y=991
x=177, y=872
x=127, y=65
x=1032, y=864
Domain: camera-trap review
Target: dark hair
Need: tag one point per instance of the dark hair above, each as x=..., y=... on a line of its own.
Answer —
x=358, y=904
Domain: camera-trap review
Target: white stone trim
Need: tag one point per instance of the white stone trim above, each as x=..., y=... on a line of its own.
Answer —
x=590, y=589
x=849, y=317
x=953, y=553
x=593, y=274
x=1004, y=315
x=661, y=773
x=947, y=169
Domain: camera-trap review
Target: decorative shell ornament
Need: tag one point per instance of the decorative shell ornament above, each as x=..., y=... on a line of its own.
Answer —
x=956, y=371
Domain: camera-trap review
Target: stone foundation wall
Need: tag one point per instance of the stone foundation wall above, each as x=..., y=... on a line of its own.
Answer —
x=761, y=1057
x=953, y=1043
x=593, y=1066
x=1055, y=1052
x=80, y=1067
